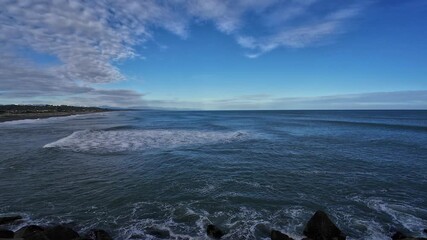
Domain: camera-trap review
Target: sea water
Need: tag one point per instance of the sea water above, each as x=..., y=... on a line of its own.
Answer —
x=245, y=171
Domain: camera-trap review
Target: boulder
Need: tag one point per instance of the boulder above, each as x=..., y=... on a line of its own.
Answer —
x=320, y=227
x=277, y=235
x=6, y=233
x=61, y=232
x=414, y=238
x=98, y=234
x=398, y=235
x=32, y=232
x=158, y=233
x=214, y=232
x=6, y=220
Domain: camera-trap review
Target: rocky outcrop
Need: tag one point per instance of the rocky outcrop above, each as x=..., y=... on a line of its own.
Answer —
x=400, y=236
x=31, y=232
x=277, y=235
x=61, y=232
x=214, y=232
x=7, y=220
x=320, y=227
x=98, y=234
x=6, y=233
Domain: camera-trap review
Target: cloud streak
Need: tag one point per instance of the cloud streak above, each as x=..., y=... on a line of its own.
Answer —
x=375, y=100
x=302, y=35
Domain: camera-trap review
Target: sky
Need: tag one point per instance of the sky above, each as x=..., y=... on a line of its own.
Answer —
x=215, y=54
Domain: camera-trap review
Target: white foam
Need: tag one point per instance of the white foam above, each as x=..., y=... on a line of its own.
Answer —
x=242, y=223
x=135, y=140
x=400, y=213
x=48, y=119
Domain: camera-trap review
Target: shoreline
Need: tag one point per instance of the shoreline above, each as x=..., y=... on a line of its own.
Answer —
x=25, y=112
x=318, y=227
x=29, y=116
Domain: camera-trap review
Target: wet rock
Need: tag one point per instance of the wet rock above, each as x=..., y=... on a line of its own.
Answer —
x=61, y=232
x=6, y=233
x=398, y=235
x=320, y=227
x=10, y=219
x=413, y=238
x=32, y=232
x=98, y=234
x=277, y=235
x=214, y=232
x=158, y=233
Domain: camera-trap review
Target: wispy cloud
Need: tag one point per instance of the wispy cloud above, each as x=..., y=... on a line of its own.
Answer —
x=22, y=80
x=89, y=38
x=299, y=35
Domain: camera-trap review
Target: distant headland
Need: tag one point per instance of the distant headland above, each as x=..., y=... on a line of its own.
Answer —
x=19, y=112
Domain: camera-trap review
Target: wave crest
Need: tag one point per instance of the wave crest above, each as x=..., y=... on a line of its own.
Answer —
x=135, y=140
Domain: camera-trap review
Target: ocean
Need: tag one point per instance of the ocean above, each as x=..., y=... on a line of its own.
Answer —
x=247, y=172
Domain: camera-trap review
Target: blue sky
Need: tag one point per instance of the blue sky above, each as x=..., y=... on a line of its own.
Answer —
x=215, y=54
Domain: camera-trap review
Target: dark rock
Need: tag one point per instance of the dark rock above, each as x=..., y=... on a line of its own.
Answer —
x=61, y=232
x=6, y=233
x=36, y=236
x=214, y=232
x=158, y=233
x=320, y=227
x=276, y=235
x=6, y=220
x=30, y=232
x=412, y=238
x=398, y=235
x=98, y=234
x=425, y=231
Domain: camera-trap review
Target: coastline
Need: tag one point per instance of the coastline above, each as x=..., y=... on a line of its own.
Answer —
x=318, y=227
x=25, y=116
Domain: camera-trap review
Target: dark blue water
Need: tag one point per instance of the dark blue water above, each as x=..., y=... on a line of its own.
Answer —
x=245, y=171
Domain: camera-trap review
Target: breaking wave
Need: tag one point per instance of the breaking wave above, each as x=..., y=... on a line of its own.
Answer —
x=136, y=140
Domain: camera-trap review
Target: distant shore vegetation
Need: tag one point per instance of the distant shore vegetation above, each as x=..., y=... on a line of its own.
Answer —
x=19, y=112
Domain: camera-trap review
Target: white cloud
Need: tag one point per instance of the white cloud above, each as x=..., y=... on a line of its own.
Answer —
x=89, y=38
x=299, y=36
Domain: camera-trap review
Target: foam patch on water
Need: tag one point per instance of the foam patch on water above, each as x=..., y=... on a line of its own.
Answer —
x=393, y=215
x=400, y=213
x=135, y=140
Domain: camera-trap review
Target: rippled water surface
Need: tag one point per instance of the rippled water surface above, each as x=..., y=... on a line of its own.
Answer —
x=245, y=171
